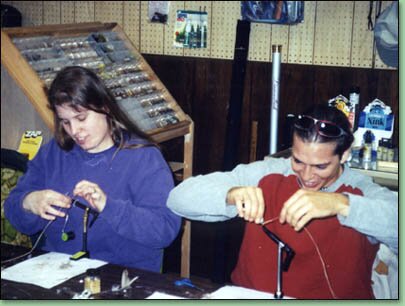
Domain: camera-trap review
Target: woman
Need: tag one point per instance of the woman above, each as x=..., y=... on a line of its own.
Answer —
x=99, y=158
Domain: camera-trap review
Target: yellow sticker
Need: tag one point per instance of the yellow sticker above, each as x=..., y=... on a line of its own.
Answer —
x=30, y=143
x=79, y=255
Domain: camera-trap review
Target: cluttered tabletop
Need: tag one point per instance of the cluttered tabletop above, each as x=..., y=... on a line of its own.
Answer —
x=39, y=275
x=54, y=276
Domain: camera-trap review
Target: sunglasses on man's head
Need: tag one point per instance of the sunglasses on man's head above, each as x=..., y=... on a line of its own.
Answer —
x=323, y=127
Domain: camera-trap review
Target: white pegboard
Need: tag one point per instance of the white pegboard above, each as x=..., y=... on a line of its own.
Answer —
x=132, y=10
x=301, y=37
x=259, y=43
x=200, y=6
x=225, y=15
x=109, y=11
x=67, y=12
x=333, y=33
x=52, y=12
x=169, y=49
x=152, y=34
x=378, y=62
x=362, y=40
x=84, y=11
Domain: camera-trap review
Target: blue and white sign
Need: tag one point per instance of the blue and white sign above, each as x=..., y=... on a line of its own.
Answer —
x=377, y=117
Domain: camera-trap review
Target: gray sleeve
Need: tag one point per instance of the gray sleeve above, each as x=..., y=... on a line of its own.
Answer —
x=203, y=197
x=374, y=214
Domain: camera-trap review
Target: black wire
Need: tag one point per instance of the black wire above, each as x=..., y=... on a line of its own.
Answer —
x=370, y=21
x=378, y=10
x=34, y=246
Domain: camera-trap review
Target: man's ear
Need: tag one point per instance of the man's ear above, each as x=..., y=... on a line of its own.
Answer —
x=345, y=156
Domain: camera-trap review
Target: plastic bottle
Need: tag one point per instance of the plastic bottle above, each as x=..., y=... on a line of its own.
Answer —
x=187, y=35
x=192, y=37
x=380, y=150
x=354, y=98
x=204, y=35
x=368, y=139
x=390, y=152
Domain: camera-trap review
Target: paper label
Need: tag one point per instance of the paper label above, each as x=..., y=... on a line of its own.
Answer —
x=30, y=143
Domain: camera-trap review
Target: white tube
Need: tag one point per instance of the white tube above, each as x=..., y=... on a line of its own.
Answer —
x=275, y=85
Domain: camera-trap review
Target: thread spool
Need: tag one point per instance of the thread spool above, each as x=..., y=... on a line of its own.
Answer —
x=66, y=236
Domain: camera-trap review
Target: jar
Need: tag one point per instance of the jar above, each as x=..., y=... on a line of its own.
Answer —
x=368, y=139
x=380, y=150
x=390, y=153
x=92, y=281
x=384, y=156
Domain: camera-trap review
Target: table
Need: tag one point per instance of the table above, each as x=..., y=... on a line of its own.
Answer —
x=387, y=177
x=147, y=283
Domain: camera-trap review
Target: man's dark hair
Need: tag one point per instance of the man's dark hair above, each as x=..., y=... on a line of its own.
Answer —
x=331, y=114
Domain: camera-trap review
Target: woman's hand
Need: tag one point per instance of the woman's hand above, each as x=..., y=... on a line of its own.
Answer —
x=46, y=203
x=92, y=193
x=249, y=202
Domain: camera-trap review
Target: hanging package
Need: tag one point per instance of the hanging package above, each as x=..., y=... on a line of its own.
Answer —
x=386, y=35
x=278, y=12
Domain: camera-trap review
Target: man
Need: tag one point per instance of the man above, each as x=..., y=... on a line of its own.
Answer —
x=331, y=216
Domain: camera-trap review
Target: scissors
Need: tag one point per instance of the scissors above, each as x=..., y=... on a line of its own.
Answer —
x=187, y=282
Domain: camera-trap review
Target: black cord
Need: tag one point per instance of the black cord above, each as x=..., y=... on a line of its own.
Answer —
x=370, y=21
x=33, y=248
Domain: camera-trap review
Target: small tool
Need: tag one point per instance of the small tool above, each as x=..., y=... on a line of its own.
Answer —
x=84, y=295
x=126, y=282
x=187, y=282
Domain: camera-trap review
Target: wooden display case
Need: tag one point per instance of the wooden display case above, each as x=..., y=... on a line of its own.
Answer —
x=33, y=66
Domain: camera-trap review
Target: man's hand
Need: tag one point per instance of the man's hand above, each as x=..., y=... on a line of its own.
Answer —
x=305, y=205
x=249, y=202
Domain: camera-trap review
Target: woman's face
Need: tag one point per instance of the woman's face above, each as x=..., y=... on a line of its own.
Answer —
x=315, y=164
x=87, y=128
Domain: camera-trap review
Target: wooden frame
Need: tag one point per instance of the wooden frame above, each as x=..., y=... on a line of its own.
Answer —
x=32, y=86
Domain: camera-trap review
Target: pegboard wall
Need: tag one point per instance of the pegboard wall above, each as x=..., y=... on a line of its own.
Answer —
x=131, y=22
x=67, y=12
x=301, y=37
x=334, y=20
x=334, y=33
x=169, y=49
x=361, y=53
x=85, y=11
x=52, y=13
x=152, y=34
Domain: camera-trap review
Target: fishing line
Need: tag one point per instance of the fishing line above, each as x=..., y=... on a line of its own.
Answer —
x=325, y=272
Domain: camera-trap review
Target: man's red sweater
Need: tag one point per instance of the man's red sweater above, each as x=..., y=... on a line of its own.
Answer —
x=348, y=254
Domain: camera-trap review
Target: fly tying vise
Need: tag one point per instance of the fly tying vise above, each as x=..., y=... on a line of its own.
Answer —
x=70, y=235
x=290, y=255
